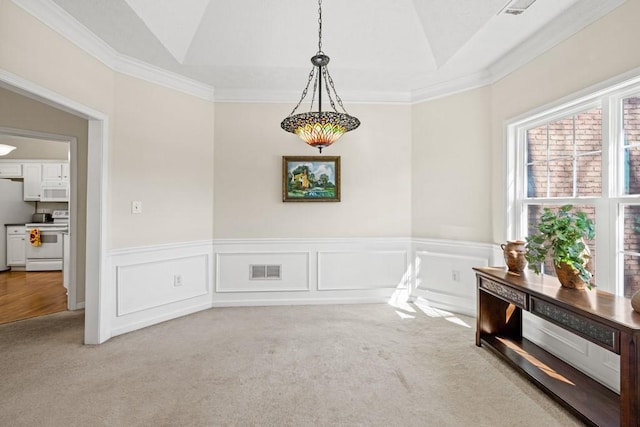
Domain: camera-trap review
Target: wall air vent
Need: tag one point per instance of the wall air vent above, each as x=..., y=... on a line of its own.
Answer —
x=265, y=272
x=516, y=7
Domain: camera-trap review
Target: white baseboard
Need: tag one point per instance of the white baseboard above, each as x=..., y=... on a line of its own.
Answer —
x=452, y=303
x=300, y=301
x=159, y=318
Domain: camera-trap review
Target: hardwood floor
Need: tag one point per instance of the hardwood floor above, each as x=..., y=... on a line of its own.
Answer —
x=30, y=294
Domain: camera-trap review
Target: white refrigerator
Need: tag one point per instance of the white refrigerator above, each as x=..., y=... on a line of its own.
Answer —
x=13, y=210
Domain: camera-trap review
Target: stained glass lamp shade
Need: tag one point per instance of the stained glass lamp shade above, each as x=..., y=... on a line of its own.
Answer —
x=320, y=129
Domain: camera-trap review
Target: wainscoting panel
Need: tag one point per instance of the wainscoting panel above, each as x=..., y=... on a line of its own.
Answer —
x=362, y=270
x=154, y=284
x=444, y=275
x=314, y=270
x=593, y=360
x=234, y=271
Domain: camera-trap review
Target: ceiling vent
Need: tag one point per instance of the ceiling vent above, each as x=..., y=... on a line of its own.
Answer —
x=516, y=7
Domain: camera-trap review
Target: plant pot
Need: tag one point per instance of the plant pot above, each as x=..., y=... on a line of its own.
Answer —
x=514, y=251
x=635, y=301
x=569, y=277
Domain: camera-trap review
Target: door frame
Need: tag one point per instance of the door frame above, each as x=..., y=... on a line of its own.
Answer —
x=96, y=323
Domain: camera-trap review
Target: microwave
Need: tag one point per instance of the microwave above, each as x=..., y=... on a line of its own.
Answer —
x=55, y=191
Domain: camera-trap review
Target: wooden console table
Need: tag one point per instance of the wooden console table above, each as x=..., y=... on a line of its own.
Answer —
x=600, y=317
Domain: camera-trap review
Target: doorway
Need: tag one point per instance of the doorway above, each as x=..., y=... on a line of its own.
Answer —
x=94, y=278
x=35, y=274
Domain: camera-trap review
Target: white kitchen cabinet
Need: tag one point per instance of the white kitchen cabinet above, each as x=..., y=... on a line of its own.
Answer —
x=16, y=246
x=10, y=170
x=66, y=172
x=55, y=171
x=32, y=173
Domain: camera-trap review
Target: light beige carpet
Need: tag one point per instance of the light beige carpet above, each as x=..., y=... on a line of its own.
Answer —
x=350, y=365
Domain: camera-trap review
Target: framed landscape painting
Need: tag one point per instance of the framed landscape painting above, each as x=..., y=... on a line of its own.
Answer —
x=311, y=179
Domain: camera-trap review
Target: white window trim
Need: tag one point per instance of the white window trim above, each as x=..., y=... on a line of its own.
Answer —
x=606, y=94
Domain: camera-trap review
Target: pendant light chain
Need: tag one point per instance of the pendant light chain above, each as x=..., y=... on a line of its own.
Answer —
x=325, y=73
x=335, y=93
x=319, y=26
x=313, y=70
x=315, y=88
x=304, y=92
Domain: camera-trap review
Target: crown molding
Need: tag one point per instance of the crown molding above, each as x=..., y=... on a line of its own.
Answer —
x=144, y=71
x=60, y=21
x=552, y=34
x=451, y=87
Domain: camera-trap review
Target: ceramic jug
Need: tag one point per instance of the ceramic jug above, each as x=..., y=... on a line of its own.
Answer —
x=514, y=255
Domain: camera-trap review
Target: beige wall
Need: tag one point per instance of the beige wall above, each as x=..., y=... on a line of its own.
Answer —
x=162, y=155
x=28, y=148
x=452, y=167
x=376, y=175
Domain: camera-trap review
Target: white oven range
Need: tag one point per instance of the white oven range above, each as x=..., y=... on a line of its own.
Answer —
x=47, y=256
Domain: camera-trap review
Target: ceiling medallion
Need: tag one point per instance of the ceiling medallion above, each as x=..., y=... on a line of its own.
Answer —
x=320, y=128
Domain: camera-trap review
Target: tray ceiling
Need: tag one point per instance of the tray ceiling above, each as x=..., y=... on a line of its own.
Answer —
x=381, y=50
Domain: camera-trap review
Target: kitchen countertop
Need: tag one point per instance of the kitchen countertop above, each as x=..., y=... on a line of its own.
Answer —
x=36, y=224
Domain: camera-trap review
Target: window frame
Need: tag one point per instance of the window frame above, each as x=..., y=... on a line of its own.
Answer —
x=609, y=206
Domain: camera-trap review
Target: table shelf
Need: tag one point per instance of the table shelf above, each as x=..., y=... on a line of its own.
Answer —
x=586, y=398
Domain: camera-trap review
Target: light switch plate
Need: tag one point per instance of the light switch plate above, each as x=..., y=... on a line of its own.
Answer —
x=136, y=207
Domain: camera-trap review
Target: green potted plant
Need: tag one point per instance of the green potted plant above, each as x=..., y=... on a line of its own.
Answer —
x=562, y=235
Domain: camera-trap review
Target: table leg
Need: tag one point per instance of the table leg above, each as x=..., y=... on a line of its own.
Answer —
x=629, y=380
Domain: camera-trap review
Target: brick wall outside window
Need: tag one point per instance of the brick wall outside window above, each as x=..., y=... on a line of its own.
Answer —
x=631, y=125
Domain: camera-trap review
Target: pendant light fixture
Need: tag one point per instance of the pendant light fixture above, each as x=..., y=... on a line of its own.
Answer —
x=320, y=128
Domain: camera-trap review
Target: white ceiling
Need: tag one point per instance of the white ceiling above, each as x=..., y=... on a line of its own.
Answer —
x=381, y=50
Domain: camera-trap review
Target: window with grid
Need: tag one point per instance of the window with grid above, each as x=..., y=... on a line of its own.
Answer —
x=587, y=154
x=630, y=206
